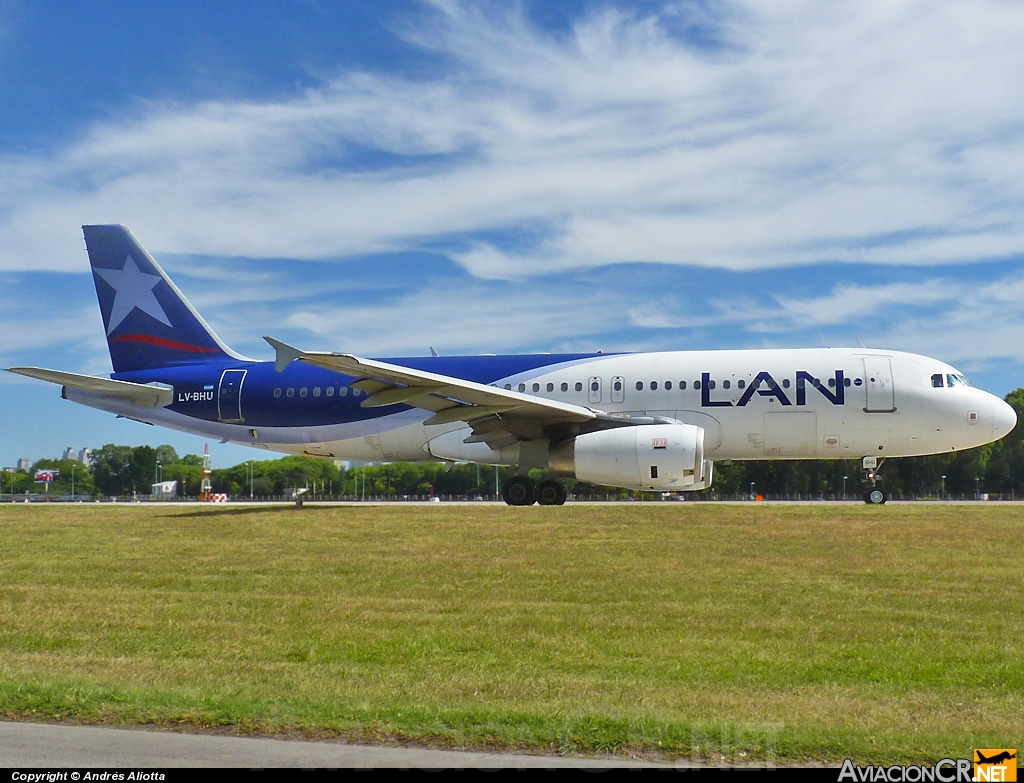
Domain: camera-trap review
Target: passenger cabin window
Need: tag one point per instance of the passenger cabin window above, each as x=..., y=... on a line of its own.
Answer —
x=654, y=386
x=668, y=385
x=290, y=393
x=682, y=384
x=565, y=387
x=639, y=385
x=578, y=386
x=316, y=391
x=522, y=387
x=330, y=391
x=343, y=391
x=277, y=393
x=536, y=387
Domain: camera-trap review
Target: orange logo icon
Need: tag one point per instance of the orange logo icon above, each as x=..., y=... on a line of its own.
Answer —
x=995, y=764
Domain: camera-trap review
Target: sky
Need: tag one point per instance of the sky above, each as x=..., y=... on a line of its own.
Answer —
x=496, y=177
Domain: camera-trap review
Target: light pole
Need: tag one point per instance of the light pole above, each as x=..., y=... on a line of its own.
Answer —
x=942, y=494
x=251, y=479
x=844, y=486
x=751, y=490
x=977, y=488
x=73, y=482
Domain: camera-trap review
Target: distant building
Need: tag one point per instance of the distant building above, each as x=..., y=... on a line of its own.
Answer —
x=165, y=490
x=82, y=455
x=25, y=465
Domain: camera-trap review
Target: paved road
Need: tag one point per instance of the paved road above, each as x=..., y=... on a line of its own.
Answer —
x=49, y=746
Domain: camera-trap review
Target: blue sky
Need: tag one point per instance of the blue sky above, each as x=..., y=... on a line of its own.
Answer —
x=491, y=177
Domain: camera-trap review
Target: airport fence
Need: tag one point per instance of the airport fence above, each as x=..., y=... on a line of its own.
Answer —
x=638, y=497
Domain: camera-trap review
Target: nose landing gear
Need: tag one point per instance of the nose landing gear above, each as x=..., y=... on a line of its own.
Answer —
x=875, y=497
x=874, y=494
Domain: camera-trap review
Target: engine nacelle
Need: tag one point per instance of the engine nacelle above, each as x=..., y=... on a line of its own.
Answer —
x=709, y=467
x=655, y=456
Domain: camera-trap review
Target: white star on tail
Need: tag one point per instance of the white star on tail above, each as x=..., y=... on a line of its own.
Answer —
x=132, y=288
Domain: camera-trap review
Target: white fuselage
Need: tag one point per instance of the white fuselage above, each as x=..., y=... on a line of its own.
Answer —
x=752, y=405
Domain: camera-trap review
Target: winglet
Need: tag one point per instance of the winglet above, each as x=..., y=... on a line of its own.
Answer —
x=286, y=354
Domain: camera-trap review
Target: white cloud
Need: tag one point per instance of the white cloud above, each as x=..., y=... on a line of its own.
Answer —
x=850, y=304
x=33, y=328
x=460, y=318
x=854, y=132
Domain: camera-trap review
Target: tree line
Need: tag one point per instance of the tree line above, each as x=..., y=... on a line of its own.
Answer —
x=120, y=471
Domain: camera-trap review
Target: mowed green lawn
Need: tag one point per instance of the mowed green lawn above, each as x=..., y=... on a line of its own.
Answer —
x=724, y=632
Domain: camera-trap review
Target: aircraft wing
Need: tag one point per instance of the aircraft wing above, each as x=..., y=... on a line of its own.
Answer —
x=496, y=415
x=151, y=395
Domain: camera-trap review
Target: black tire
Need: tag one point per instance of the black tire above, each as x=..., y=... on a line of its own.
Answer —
x=876, y=497
x=551, y=493
x=519, y=491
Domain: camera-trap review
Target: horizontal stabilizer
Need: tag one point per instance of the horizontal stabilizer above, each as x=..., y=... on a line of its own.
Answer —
x=151, y=395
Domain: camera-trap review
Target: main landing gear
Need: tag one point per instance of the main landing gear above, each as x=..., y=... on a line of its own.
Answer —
x=521, y=491
x=874, y=494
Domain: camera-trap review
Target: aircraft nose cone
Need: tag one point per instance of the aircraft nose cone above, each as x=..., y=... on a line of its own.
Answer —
x=1004, y=419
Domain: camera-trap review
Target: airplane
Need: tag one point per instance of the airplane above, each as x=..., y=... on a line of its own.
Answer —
x=642, y=421
x=996, y=759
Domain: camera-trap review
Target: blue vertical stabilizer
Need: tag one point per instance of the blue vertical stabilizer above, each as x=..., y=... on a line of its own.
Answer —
x=149, y=322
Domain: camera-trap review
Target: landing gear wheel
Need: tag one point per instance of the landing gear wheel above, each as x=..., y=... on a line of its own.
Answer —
x=551, y=493
x=876, y=497
x=519, y=491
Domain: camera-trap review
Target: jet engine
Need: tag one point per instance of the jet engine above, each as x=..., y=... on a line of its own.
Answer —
x=667, y=457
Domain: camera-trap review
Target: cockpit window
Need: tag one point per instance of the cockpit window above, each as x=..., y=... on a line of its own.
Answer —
x=938, y=381
x=956, y=380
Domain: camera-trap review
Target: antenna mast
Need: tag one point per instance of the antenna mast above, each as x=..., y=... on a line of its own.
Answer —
x=205, y=489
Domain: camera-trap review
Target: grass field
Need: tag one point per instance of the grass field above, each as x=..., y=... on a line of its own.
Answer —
x=723, y=632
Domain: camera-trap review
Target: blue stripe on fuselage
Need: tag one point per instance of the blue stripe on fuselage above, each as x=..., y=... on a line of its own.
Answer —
x=196, y=386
